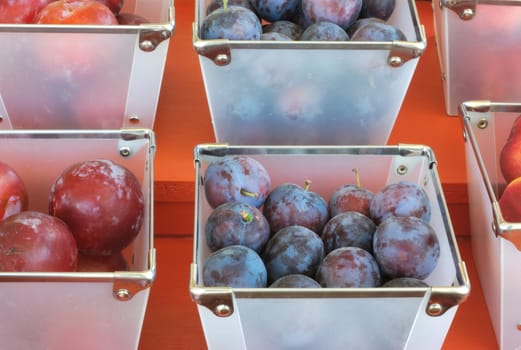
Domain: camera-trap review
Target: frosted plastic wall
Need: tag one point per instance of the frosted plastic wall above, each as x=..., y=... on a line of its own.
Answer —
x=57, y=311
x=496, y=258
x=334, y=318
x=308, y=95
x=478, y=57
x=83, y=77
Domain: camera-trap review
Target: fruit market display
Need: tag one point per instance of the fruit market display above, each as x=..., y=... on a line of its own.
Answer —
x=306, y=20
x=96, y=209
x=510, y=166
x=381, y=239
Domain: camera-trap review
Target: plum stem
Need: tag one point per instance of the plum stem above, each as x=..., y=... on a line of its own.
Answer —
x=307, y=183
x=249, y=194
x=357, y=177
x=247, y=217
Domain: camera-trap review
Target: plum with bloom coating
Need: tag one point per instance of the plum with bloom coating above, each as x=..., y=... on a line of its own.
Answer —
x=350, y=198
x=290, y=204
x=233, y=23
x=288, y=28
x=406, y=247
x=324, y=31
x=235, y=266
x=236, y=178
x=293, y=249
x=215, y=4
x=348, y=267
x=382, y=9
x=376, y=31
x=405, y=282
x=275, y=10
x=349, y=229
x=403, y=198
x=295, y=281
x=237, y=223
x=341, y=12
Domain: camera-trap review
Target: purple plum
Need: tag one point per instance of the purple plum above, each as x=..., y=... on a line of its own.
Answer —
x=341, y=12
x=236, y=178
x=235, y=266
x=348, y=229
x=288, y=28
x=289, y=204
x=350, y=198
x=275, y=10
x=235, y=223
x=293, y=249
x=348, y=267
x=406, y=247
x=360, y=22
x=295, y=281
x=215, y=4
x=233, y=23
x=382, y=9
x=274, y=36
x=403, y=198
x=376, y=31
x=405, y=282
x=324, y=31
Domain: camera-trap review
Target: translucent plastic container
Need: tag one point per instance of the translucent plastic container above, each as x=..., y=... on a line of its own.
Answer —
x=496, y=243
x=330, y=318
x=478, y=47
x=84, y=76
x=78, y=310
x=298, y=92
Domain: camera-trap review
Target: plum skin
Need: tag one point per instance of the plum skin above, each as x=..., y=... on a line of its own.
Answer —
x=233, y=23
x=377, y=31
x=381, y=9
x=275, y=10
x=293, y=249
x=406, y=247
x=402, y=198
x=324, y=31
x=341, y=12
x=348, y=229
x=236, y=178
x=35, y=241
x=215, y=4
x=295, y=281
x=102, y=203
x=350, y=198
x=234, y=266
x=21, y=11
x=405, y=282
x=235, y=223
x=349, y=267
x=76, y=12
x=13, y=193
x=288, y=28
x=289, y=204
x=509, y=203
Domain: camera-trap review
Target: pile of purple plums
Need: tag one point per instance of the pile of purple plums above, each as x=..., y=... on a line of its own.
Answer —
x=306, y=20
x=261, y=235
